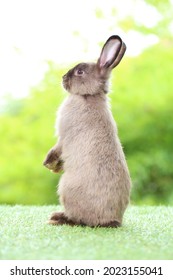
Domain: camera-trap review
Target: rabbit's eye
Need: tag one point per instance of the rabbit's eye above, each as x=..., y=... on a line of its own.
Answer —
x=79, y=72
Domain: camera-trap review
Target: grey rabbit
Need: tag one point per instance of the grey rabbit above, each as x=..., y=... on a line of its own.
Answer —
x=95, y=186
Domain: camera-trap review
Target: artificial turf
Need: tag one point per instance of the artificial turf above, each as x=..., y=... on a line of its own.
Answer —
x=147, y=233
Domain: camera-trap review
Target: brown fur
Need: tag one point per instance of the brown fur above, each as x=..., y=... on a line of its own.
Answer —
x=95, y=186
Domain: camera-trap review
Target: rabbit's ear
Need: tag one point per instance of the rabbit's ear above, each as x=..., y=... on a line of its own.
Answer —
x=112, y=53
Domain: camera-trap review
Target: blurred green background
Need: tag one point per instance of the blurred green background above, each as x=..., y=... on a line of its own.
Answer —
x=142, y=105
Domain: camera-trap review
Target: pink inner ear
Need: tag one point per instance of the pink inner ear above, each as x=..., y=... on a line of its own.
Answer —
x=109, y=52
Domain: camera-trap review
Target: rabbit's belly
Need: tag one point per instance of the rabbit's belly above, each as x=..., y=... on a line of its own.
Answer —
x=94, y=157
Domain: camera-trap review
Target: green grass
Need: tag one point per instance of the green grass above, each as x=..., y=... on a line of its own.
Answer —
x=147, y=233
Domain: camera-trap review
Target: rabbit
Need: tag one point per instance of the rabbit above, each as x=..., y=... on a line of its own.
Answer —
x=95, y=186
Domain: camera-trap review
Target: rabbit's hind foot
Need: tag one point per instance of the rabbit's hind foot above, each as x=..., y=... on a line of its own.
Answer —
x=113, y=224
x=59, y=218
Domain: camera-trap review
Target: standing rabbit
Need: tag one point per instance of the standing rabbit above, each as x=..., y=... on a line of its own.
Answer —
x=94, y=188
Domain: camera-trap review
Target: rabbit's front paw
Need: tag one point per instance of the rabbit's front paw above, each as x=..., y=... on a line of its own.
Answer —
x=53, y=162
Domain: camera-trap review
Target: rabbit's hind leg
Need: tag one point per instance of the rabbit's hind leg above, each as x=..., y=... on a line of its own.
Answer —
x=59, y=218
